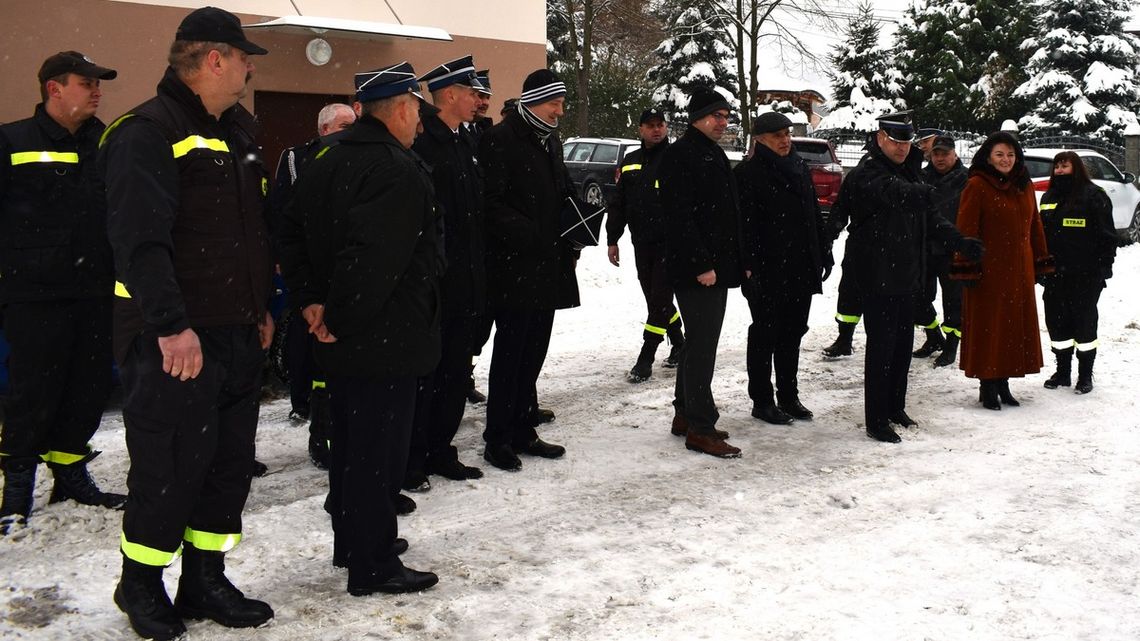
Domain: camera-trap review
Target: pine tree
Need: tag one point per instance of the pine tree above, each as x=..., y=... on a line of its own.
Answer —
x=694, y=54
x=862, y=62
x=1082, y=69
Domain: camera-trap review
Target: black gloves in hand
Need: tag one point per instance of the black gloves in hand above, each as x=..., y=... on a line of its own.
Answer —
x=826, y=273
x=971, y=248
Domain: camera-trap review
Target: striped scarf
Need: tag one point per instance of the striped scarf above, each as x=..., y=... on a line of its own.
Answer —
x=541, y=128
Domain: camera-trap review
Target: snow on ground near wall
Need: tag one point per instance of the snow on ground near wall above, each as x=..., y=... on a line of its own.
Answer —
x=981, y=525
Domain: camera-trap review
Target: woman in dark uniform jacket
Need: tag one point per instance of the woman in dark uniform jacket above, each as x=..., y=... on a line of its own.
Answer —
x=1077, y=216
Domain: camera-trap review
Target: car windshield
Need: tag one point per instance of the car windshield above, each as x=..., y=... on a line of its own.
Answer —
x=814, y=152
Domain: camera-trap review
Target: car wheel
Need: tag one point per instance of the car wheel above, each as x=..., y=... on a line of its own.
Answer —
x=592, y=193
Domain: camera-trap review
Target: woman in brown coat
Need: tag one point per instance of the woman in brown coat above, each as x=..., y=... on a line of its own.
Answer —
x=1000, y=334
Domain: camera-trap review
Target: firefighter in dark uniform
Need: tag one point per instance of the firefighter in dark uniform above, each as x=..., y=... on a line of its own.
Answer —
x=636, y=204
x=849, y=303
x=55, y=289
x=789, y=251
x=459, y=191
x=187, y=221
x=361, y=252
x=947, y=175
x=893, y=213
x=483, y=324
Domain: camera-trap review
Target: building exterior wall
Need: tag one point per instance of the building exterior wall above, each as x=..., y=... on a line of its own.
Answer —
x=134, y=38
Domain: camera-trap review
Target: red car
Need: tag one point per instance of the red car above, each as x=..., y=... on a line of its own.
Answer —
x=826, y=172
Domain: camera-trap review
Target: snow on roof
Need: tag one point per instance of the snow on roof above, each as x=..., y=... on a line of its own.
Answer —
x=311, y=25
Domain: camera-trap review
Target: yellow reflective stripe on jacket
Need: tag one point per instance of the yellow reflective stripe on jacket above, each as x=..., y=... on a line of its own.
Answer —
x=1045, y=206
x=190, y=143
x=318, y=385
x=62, y=458
x=210, y=542
x=114, y=125
x=1072, y=222
x=147, y=556
x=653, y=329
x=633, y=167
x=25, y=157
x=676, y=317
x=121, y=290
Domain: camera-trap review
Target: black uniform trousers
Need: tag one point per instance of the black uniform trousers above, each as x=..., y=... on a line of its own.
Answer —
x=371, y=431
x=191, y=443
x=1070, y=309
x=59, y=370
x=849, y=306
x=521, y=340
x=938, y=275
x=702, y=310
x=889, y=323
x=300, y=362
x=779, y=322
x=441, y=397
x=655, y=285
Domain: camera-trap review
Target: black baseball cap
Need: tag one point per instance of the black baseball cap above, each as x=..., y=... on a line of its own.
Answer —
x=73, y=62
x=944, y=141
x=652, y=113
x=211, y=24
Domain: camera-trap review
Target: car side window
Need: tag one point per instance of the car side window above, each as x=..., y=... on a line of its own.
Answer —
x=1101, y=169
x=606, y=154
x=582, y=152
x=567, y=148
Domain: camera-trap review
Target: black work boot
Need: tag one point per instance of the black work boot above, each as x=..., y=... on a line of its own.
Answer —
x=1063, y=377
x=933, y=343
x=204, y=592
x=141, y=595
x=842, y=344
x=72, y=481
x=19, y=485
x=676, y=342
x=1084, y=371
x=643, y=368
x=320, y=426
x=949, y=351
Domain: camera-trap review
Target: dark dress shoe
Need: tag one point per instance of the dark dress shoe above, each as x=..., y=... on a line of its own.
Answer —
x=403, y=504
x=681, y=428
x=260, y=469
x=475, y=397
x=900, y=418
x=541, y=448
x=796, y=410
x=502, y=457
x=416, y=482
x=454, y=470
x=710, y=444
x=402, y=581
x=398, y=548
x=883, y=433
x=771, y=414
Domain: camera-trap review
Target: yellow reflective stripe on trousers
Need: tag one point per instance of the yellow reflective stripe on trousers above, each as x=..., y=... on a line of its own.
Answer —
x=62, y=458
x=1087, y=347
x=653, y=329
x=676, y=317
x=318, y=384
x=25, y=157
x=930, y=326
x=121, y=290
x=1045, y=206
x=844, y=318
x=626, y=168
x=190, y=143
x=951, y=330
x=1065, y=344
x=146, y=556
x=210, y=542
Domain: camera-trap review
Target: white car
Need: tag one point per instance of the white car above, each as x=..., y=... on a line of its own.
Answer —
x=1121, y=187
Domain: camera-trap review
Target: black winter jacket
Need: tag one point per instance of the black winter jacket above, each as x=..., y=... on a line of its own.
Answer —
x=702, y=212
x=947, y=193
x=786, y=244
x=1079, y=231
x=892, y=214
x=361, y=236
x=529, y=265
x=53, y=212
x=636, y=202
x=186, y=215
x=458, y=185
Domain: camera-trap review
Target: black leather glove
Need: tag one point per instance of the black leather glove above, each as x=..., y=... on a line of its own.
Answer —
x=826, y=272
x=971, y=248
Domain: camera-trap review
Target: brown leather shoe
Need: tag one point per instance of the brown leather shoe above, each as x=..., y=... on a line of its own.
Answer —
x=681, y=428
x=710, y=444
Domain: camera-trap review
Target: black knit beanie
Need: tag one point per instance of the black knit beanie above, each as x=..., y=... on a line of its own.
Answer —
x=704, y=101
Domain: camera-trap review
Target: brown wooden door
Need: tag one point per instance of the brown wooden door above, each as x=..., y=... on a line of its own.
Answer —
x=288, y=119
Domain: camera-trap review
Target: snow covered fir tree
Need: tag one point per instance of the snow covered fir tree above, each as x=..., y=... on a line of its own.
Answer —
x=862, y=62
x=1083, y=70
x=694, y=53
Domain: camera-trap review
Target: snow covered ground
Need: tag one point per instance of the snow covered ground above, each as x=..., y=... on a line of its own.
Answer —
x=1019, y=524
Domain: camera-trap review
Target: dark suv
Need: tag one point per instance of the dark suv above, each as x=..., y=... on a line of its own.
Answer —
x=595, y=164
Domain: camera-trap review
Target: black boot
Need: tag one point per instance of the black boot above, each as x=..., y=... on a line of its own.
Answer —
x=988, y=394
x=842, y=344
x=883, y=433
x=643, y=368
x=19, y=485
x=676, y=342
x=933, y=343
x=320, y=426
x=474, y=396
x=142, y=597
x=204, y=592
x=73, y=482
x=1084, y=371
x=1004, y=394
x=1063, y=377
x=949, y=351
